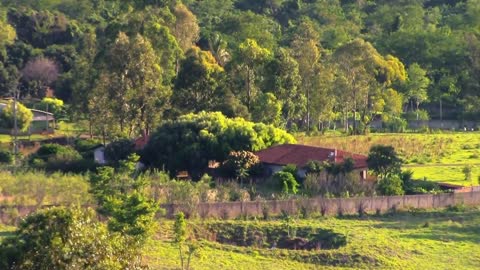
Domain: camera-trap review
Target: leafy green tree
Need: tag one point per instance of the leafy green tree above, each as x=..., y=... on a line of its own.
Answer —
x=192, y=140
x=6, y=157
x=282, y=78
x=287, y=181
x=185, y=247
x=365, y=74
x=267, y=109
x=119, y=150
x=384, y=160
x=186, y=27
x=306, y=50
x=53, y=105
x=251, y=56
x=199, y=84
x=130, y=91
x=122, y=199
x=63, y=238
x=416, y=85
x=391, y=185
x=240, y=164
x=7, y=37
x=24, y=116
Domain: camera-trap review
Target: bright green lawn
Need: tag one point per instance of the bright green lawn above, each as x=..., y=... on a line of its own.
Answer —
x=422, y=151
x=447, y=174
x=417, y=240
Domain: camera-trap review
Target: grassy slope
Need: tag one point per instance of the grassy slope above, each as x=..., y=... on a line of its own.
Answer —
x=438, y=157
x=403, y=241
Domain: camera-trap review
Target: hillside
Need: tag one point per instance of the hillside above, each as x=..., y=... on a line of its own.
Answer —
x=308, y=62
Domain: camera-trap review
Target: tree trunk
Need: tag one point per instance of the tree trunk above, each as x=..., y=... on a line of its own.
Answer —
x=249, y=89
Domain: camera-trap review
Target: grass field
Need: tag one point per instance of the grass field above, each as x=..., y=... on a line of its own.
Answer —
x=411, y=240
x=440, y=239
x=436, y=157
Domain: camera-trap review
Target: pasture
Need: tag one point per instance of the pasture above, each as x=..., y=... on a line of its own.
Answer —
x=435, y=157
x=443, y=239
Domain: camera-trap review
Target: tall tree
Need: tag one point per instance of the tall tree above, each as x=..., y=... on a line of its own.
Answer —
x=251, y=57
x=133, y=84
x=306, y=51
x=365, y=74
x=199, y=83
x=186, y=28
x=283, y=79
x=416, y=85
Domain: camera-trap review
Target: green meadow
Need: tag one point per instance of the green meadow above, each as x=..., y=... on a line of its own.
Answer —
x=409, y=240
x=436, y=157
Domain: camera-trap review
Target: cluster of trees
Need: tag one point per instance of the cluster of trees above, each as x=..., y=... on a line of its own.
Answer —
x=125, y=65
x=193, y=140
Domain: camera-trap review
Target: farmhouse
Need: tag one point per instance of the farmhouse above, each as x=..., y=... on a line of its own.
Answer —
x=276, y=157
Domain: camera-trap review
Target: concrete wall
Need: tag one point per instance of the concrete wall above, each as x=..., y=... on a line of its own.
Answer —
x=329, y=207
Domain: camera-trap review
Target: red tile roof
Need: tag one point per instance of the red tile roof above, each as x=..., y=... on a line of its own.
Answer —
x=300, y=155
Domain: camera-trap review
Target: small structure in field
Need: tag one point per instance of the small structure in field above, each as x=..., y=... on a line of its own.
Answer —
x=42, y=122
x=276, y=157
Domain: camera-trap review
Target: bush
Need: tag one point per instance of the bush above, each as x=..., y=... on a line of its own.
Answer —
x=24, y=117
x=265, y=236
x=6, y=157
x=313, y=166
x=287, y=182
x=396, y=124
x=119, y=150
x=240, y=164
x=412, y=115
x=391, y=186
x=61, y=238
x=55, y=157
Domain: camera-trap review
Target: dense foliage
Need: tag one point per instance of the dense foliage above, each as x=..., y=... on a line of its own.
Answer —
x=24, y=117
x=294, y=64
x=61, y=238
x=191, y=141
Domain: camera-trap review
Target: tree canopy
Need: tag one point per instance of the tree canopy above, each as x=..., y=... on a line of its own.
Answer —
x=191, y=141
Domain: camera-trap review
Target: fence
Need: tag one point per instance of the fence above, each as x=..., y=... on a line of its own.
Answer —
x=328, y=207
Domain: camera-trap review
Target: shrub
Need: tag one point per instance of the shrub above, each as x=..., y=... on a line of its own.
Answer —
x=396, y=124
x=61, y=238
x=390, y=186
x=412, y=115
x=55, y=157
x=6, y=157
x=287, y=182
x=53, y=105
x=240, y=164
x=24, y=117
x=313, y=166
x=86, y=147
x=241, y=234
x=384, y=160
x=119, y=150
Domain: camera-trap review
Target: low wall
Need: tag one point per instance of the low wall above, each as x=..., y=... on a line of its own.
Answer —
x=328, y=207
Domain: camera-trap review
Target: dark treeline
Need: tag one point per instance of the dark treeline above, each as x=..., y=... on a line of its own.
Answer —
x=300, y=65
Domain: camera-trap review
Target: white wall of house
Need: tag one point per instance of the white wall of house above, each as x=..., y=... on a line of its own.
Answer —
x=99, y=155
